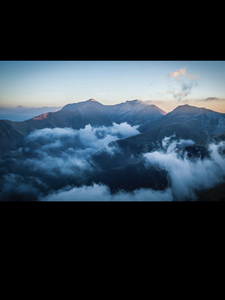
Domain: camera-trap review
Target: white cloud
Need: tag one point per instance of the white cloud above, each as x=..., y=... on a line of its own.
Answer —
x=188, y=176
x=94, y=137
x=124, y=129
x=99, y=192
x=65, y=151
x=181, y=72
x=65, y=169
x=185, y=86
x=47, y=133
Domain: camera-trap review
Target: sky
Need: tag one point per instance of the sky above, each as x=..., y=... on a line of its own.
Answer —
x=166, y=84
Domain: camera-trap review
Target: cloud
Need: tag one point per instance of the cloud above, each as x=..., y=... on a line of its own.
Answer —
x=178, y=96
x=214, y=99
x=188, y=176
x=112, y=149
x=51, y=133
x=124, y=130
x=170, y=144
x=209, y=99
x=185, y=90
x=184, y=87
x=181, y=72
x=62, y=167
x=187, y=87
x=94, y=137
x=60, y=156
x=99, y=192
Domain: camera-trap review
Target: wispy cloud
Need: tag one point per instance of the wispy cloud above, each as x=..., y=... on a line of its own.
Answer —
x=188, y=176
x=209, y=99
x=181, y=72
x=213, y=99
x=53, y=158
x=100, y=192
x=184, y=90
x=185, y=81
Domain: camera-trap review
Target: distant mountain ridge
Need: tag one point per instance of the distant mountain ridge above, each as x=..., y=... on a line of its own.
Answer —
x=76, y=116
x=126, y=168
x=185, y=121
x=135, y=112
x=22, y=113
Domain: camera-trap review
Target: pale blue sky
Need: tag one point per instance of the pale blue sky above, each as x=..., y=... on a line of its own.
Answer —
x=56, y=83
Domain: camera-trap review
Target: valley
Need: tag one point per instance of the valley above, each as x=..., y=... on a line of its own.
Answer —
x=131, y=148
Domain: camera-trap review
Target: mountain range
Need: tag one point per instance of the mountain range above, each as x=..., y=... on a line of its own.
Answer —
x=185, y=121
x=126, y=170
x=76, y=116
x=201, y=125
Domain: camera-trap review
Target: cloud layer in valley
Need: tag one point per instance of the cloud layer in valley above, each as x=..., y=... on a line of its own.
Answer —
x=83, y=142
x=60, y=164
x=58, y=157
x=189, y=176
x=100, y=192
x=67, y=151
x=186, y=176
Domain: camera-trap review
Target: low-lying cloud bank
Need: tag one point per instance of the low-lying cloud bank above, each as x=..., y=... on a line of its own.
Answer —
x=187, y=177
x=67, y=151
x=51, y=159
x=60, y=165
x=99, y=192
x=89, y=137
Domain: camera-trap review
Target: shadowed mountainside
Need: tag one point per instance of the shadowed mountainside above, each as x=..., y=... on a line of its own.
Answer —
x=185, y=122
x=125, y=169
x=77, y=116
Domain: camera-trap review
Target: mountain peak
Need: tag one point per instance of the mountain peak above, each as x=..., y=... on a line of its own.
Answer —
x=20, y=107
x=189, y=109
x=133, y=101
x=75, y=106
x=186, y=108
x=93, y=100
